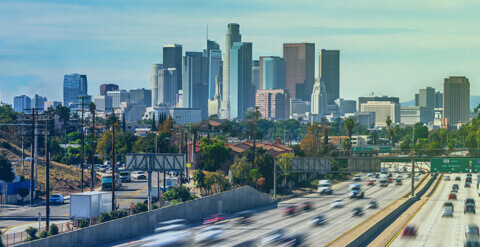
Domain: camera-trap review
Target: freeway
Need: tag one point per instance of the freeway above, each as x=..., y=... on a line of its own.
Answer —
x=435, y=230
x=339, y=220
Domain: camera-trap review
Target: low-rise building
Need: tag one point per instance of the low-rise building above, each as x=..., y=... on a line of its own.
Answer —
x=383, y=110
x=411, y=115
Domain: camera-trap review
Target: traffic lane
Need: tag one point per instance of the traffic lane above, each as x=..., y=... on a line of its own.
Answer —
x=435, y=230
x=299, y=223
x=385, y=197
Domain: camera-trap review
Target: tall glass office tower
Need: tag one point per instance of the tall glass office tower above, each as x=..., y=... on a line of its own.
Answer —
x=242, y=95
x=74, y=85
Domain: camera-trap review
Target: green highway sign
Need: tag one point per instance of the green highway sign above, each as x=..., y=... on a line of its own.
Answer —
x=454, y=165
x=475, y=165
x=362, y=149
x=385, y=150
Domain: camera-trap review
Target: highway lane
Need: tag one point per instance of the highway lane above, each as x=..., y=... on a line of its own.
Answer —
x=435, y=230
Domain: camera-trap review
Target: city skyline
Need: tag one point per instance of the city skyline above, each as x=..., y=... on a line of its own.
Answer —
x=373, y=53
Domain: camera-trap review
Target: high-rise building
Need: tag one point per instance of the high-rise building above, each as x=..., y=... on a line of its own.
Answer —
x=141, y=97
x=345, y=106
x=298, y=108
x=195, y=82
x=104, y=88
x=172, y=59
x=256, y=74
x=53, y=104
x=426, y=97
x=41, y=102
x=329, y=72
x=365, y=99
x=214, y=104
x=274, y=73
x=300, y=66
x=119, y=97
x=154, y=83
x=413, y=114
x=74, y=85
x=241, y=88
x=232, y=36
x=22, y=102
x=319, y=98
x=273, y=103
x=383, y=109
x=167, y=86
x=438, y=100
x=103, y=102
x=214, y=57
x=456, y=99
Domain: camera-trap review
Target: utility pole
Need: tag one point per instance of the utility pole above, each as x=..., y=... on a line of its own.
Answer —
x=47, y=175
x=82, y=155
x=112, y=128
x=32, y=161
x=413, y=177
x=255, y=134
x=92, y=187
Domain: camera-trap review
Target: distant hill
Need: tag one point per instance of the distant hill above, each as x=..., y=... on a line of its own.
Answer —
x=474, y=102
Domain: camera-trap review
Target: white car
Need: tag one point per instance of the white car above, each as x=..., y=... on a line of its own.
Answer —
x=209, y=234
x=416, y=178
x=447, y=212
x=273, y=237
x=138, y=175
x=370, y=175
x=399, y=175
x=337, y=203
x=175, y=238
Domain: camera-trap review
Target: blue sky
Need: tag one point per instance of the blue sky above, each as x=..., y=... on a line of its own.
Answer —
x=387, y=47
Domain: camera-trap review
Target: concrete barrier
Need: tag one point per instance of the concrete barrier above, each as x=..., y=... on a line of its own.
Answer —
x=365, y=238
x=193, y=211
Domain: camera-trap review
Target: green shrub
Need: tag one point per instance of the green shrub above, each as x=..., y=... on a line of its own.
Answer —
x=53, y=230
x=113, y=215
x=83, y=223
x=122, y=213
x=44, y=234
x=155, y=207
x=31, y=234
x=140, y=207
x=104, y=217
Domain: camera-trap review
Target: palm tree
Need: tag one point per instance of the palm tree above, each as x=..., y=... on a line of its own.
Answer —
x=349, y=123
x=389, y=128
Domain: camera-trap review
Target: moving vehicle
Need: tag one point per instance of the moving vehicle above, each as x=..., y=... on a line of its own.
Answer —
x=139, y=175
x=399, y=175
x=324, y=187
x=318, y=220
x=446, y=178
x=468, y=185
x=107, y=182
x=355, y=190
x=409, y=231
x=383, y=182
x=338, y=203
x=472, y=242
x=398, y=182
x=469, y=208
x=57, y=198
x=273, y=237
x=457, y=179
x=447, y=212
x=245, y=217
x=209, y=234
x=358, y=211
x=372, y=205
x=170, y=238
x=452, y=196
x=448, y=204
x=89, y=204
x=290, y=210
x=416, y=178
x=454, y=190
x=295, y=240
x=357, y=178
x=125, y=176
x=472, y=231
x=306, y=206
x=370, y=182
x=171, y=225
x=370, y=175
x=215, y=218
x=470, y=200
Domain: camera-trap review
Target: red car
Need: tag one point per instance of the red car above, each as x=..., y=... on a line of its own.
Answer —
x=216, y=218
x=409, y=231
x=389, y=180
x=306, y=206
x=370, y=182
x=289, y=211
x=452, y=196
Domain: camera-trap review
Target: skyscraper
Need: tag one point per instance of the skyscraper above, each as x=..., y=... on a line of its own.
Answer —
x=154, y=82
x=241, y=87
x=426, y=97
x=438, y=100
x=119, y=97
x=74, y=85
x=319, y=98
x=195, y=82
x=214, y=57
x=300, y=64
x=273, y=73
x=141, y=97
x=456, y=99
x=172, y=58
x=104, y=88
x=329, y=72
x=40, y=103
x=233, y=35
x=255, y=74
x=22, y=102
x=167, y=86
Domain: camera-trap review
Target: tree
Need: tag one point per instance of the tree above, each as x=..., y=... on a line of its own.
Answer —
x=240, y=171
x=124, y=123
x=31, y=234
x=6, y=172
x=53, y=229
x=349, y=123
x=63, y=114
x=154, y=126
x=181, y=193
x=214, y=154
x=199, y=179
x=389, y=128
x=22, y=192
x=346, y=144
x=311, y=143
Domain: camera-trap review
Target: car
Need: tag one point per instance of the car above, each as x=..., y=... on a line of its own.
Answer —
x=446, y=178
x=448, y=204
x=470, y=200
x=469, y=208
x=377, y=175
x=398, y=182
x=468, y=185
x=273, y=237
x=338, y=203
x=57, y=198
x=370, y=175
x=416, y=178
x=409, y=175
x=209, y=234
x=409, y=231
x=370, y=182
x=389, y=180
x=318, y=220
x=472, y=231
x=447, y=212
x=372, y=205
x=290, y=210
x=306, y=206
x=390, y=175
x=357, y=178
x=454, y=190
x=244, y=217
x=472, y=242
x=455, y=186
x=452, y=196
x=457, y=179
x=295, y=240
x=139, y=175
x=358, y=211
x=215, y=218
x=399, y=175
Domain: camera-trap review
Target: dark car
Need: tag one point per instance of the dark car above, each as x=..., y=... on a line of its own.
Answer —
x=457, y=179
x=469, y=208
x=290, y=210
x=455, y=186
x=448, y=204
x=471, y=231
x=470, y=200
x=398, y=182
x=358, y=211
x=306, y=206
x=372, y=204
x=468, y=185
x=472, y=242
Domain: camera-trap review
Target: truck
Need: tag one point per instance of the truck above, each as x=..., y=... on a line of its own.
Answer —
x=107, y=182
x=125, y=176
x=324, y=187
x=356, y=191
x=90, y=204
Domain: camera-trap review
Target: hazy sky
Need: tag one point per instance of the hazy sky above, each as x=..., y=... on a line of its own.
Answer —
x=387, y=47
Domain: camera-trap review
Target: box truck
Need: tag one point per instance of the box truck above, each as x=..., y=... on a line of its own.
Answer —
x=90, y=204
